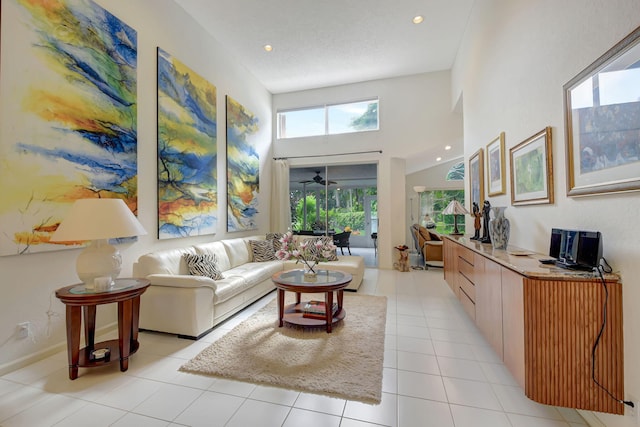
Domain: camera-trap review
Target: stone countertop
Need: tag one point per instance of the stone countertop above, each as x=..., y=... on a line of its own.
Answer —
x=527, y=262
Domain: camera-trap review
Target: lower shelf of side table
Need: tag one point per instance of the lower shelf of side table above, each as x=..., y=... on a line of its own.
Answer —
x=293, y=315
x=85, y=360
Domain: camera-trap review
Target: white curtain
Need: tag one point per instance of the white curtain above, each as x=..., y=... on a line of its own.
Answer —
x=280, y=210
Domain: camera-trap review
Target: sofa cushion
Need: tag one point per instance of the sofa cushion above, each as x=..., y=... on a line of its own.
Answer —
x=243, y=277
x=237, y=251
x=217, y=249
x=262, y=250
x=203, y=265
x=180, y=281
x=169, y=261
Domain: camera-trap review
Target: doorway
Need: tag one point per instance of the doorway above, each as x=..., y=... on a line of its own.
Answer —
x=328, y=199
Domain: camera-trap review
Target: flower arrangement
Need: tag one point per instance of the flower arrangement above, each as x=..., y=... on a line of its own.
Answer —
x=306, y=251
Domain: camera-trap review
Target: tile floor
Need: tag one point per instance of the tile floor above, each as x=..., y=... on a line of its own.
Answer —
x=438, y=371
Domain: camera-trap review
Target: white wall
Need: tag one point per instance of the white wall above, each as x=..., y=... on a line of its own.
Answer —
x=415, y=113
x=514, y=60
x=433, y=178
x=28, y=281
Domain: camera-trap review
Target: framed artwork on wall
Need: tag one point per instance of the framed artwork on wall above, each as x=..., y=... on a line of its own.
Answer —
x=531, y=165
x=243, y=167
x=495, y=166
x=187, y=151
x=476, y=179
x=602, y=112
x=69, y=119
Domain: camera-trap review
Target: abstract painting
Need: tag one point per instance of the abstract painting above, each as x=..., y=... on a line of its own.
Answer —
x=243, y=168
x=68, y=128
x=187, y=151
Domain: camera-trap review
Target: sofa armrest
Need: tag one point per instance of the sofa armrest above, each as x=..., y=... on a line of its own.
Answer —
x=181, y=281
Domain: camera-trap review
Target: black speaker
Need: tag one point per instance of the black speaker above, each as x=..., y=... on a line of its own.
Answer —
x=589, y=248
x=556, y=239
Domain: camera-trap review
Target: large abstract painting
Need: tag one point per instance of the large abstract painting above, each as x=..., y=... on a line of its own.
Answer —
x=243, y=168
x=68, y=127
x=187, y=153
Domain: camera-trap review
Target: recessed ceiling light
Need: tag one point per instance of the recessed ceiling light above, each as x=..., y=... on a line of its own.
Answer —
x=447, y=147
x=438, y=159
x=268, y=47
x=418, y=19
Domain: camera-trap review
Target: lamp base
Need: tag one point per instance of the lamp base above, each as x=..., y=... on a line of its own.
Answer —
x=99, y=259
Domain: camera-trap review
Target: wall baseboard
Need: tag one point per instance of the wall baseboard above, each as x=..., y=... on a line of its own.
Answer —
x=47, y=352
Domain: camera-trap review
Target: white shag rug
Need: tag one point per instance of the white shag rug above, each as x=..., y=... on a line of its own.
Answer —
x=346, y=363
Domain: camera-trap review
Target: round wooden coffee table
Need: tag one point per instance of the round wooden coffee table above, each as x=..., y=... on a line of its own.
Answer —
x=326, y=282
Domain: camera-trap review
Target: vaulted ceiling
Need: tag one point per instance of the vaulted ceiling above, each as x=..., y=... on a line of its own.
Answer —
x=332, y=42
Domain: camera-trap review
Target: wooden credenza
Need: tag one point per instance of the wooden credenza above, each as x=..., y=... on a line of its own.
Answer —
x=543, y=322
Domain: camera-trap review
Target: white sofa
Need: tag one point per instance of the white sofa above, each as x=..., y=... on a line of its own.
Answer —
x=190, y=306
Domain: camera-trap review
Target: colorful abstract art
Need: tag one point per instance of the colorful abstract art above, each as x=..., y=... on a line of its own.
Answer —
x=243, y=168
x=68, y=128
x=187, y=151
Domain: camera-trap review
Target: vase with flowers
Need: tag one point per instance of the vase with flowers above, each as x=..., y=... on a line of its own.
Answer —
x=308, y=252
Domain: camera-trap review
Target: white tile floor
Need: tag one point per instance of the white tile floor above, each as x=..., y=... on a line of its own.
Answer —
x=438, y=371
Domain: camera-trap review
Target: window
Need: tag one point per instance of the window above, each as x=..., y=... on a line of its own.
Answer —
x=333, y=119
x=432, y=203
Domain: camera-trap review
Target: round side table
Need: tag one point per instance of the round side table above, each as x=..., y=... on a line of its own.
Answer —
x=125, y=292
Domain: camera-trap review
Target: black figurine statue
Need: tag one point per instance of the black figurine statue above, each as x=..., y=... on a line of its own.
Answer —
x=477, y=215
x=486, y=208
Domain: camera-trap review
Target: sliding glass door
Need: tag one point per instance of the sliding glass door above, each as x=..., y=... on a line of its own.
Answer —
x=329, y=199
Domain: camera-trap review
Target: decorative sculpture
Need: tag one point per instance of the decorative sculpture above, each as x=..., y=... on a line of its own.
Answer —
x=486, y=209
x=476, y=221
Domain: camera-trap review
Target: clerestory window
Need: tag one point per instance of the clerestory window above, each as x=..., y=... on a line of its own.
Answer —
x=361, y=116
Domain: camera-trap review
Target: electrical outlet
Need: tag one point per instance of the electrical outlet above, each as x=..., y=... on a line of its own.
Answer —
x=24, y=329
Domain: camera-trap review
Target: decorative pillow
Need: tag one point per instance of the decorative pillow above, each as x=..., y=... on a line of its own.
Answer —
x=326, y=240
x=203, y=265
x=262, y=250
x=275, y=239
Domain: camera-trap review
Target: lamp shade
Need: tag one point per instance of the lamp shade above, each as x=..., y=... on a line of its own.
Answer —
x=455, y=208
x=419, y=188
x=98, y=220
x=93, y=219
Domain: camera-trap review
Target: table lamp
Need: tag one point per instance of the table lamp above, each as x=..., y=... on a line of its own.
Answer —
x=98, y=220
x=455, y=208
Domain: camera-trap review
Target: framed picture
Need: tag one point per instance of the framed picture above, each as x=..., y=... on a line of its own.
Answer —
x=476, y=179
x=531, y=165
x=602, y=112
x=495, y=166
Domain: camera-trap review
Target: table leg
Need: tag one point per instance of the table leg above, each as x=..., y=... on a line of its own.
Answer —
x=125, y=310
x=297, y=297
x=89, y=326
x=328, y=310
x=340, y=298
x=74, y=320
x=135, y=319
x=280, y=307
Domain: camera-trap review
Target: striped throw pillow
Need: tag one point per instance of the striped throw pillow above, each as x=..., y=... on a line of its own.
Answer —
x=326, y=240
x=262, y=250
x=275, y=239
x=203, y=265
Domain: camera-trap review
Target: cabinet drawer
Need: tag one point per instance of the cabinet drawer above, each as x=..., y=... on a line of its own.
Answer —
x=466, y=254
x=467, y=270
x=467, y=304
x=468, y=288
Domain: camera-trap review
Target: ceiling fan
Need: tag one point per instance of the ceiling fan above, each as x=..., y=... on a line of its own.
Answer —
x=318, y=180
